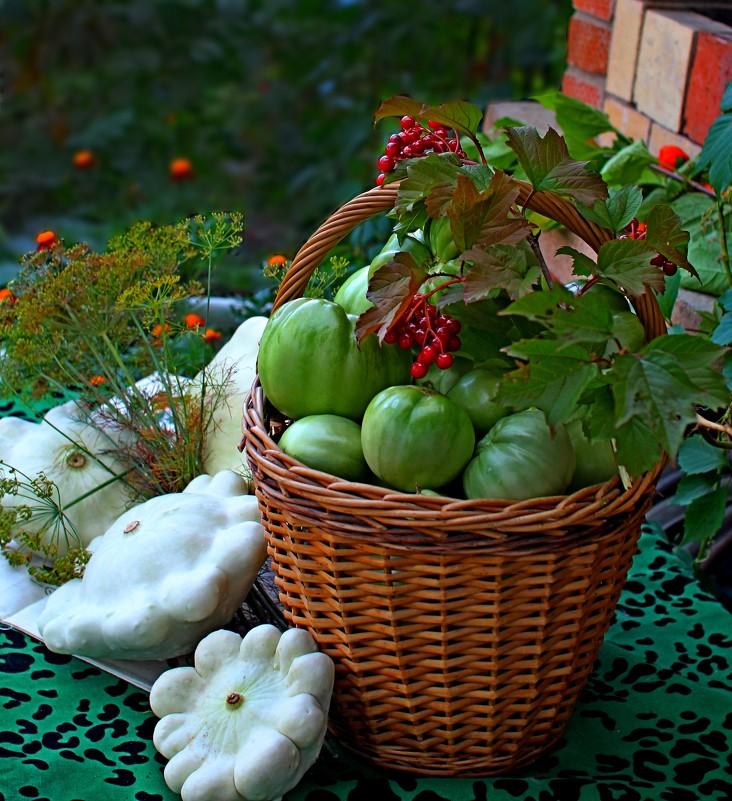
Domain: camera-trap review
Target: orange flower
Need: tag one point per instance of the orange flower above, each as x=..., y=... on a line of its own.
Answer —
x=672, y=157
x=212, y=335
x=96, y=380
x=157, y=330
x=193, y=320
x=6, y=294
x=46, y=240
x=84, y=160
x=276, y=260
x=181, y=170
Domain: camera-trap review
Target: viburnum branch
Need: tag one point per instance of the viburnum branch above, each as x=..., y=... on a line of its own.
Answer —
x=534, y=243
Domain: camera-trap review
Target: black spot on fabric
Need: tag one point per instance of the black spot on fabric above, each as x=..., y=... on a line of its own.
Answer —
x=64, y=727
x=99, y=756
x=48, y=693
x=117, y=728
x=369, y=789
x=36, y=763
x=516, y=787
x=607, y=722
x=37, y=675
x=26, y=727
x=118, y=689
x=32, y=747
x=16, y=698
x=132, y=751
x=146, y=728
x=316, y=795
x=425, y=795
x=110, y=712
x=679, y=689
x=143, y=796
x=82, y=720
x=51, y=657
x=85, y=674
x=43, y=711
x=138, y=702
x=716, y=741
x=71, y=755
x=11, y=738
x=611, y=763
x=123, y=778
x=698, y=726
x=684, y=748
x=84, y=705
x=15, y=663
x=678, y=794
x=53, y=740
x=643, y=760
x=29, y=792
x=694, y=772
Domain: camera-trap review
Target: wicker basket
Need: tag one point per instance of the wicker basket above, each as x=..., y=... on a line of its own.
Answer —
x=462, y=631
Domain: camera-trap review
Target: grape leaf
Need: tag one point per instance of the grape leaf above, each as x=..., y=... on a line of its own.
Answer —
x=696, y=455
x=391, y=289
x=716, y=153
x=636, y=447
x=549, y=167
x=693, y=486
x=631, y=165
x=551, y=380
x=583, y=264
x=722, y=334
x=665, y=235
x=496, y=267
x=705, y=515
x=485, y=218
x=464, y=117
x=617, y=211
x=662, y=387
x=628, y=263
x=423, y=175
x=578, y=121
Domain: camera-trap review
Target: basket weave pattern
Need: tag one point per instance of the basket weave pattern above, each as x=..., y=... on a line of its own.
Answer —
x=462, y=631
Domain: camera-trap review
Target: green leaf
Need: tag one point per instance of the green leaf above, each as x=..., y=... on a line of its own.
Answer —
x=391, y=289
x=717, y=153
x=667, y=298
x=631, y=165
x=722, y=334
x=485, y=218
x=583, y=264
x=496, y=267
x=552, y=381
x=464, y=117
x=696, y=455
x=705, y=515
x=398, y=106
x=665, y=235
x=699, y=360
x=628, y=263
x=692, y=487
x=617, y=211
x=580, y=123
x=549, y=167
x=636, y=446
x=423, y=175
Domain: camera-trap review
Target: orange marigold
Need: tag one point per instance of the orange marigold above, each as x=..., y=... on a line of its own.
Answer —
x=194, y=320
x=84, y=159
x=157, y=330
x=275, y=260
x=46, y=239
x=181, y=169
x=211, y=335
x=6, y=294
x=96, y=380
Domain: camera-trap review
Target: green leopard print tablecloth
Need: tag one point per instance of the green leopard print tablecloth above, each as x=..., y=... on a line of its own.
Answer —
x=654, y=722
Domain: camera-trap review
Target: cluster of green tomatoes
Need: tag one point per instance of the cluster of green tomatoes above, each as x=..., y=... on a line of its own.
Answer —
x=357, y=411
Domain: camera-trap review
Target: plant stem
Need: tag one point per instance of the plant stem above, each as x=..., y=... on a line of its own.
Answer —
x=534, y=243
x=723, y=242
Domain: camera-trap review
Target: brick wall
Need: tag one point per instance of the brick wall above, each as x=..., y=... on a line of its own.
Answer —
x=658, y=68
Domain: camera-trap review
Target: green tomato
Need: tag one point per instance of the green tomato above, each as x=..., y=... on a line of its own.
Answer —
x=352, y=293
x=412, y=243
x=595, y=460
x=520, y=458
x=440, y=241
x=415, y=437
x=475, y=391
x=444, y=380
x=310, y=362
x=328, y=443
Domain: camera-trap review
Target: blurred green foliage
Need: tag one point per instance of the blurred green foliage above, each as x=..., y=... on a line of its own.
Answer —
x=272, y=101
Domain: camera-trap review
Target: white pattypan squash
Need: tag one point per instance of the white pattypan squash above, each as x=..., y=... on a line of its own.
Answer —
x=165, y=574
x=248, y=720
x=78, y=458
x=237, y=360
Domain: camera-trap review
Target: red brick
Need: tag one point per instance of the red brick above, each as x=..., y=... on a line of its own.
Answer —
x=588, y=44
x=603, y=9
x=710, y=72
x=588, y=88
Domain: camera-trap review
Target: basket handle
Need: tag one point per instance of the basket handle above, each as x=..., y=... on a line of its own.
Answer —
x=383, y=198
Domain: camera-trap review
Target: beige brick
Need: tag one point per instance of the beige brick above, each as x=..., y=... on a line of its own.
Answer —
x=624, y=42
x=527, y=111
x=627, y=119
x=661, y=136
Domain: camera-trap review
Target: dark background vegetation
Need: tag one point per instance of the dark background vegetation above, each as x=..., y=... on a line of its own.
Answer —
x=272, y=102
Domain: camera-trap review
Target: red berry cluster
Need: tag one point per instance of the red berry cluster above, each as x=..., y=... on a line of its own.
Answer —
x=435, y=334
x=416, y=140
x=636, y=230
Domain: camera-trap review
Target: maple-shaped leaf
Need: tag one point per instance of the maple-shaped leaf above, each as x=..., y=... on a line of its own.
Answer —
x=663, y=387
x=553, y=380
x=391, y=289
x=398, y=106
x=617, y=210
x=460, y=115
x=627, y=262
x=497, y=267
x=582, y=263
x=549, y=167
x=423, y=175
x=666, y=236
x=485, y=217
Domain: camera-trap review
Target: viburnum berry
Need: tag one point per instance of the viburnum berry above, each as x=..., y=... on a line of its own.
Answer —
x=418, y=370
